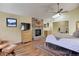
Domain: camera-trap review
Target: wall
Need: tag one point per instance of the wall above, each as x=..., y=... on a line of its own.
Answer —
x=71, y=16
x=63, y=25
x=47, y=28
x=74, y=17
x=13, y=34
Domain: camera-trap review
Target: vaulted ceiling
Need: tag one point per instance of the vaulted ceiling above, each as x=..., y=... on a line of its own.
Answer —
x=39, y=10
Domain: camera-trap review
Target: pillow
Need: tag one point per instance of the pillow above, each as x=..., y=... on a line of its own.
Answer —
x=57, y=38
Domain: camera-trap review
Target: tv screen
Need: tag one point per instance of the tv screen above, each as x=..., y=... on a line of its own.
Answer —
x=25, y=26
x=11, y=22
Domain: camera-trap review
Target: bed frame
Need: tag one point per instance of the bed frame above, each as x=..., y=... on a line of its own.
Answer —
x=68, y=46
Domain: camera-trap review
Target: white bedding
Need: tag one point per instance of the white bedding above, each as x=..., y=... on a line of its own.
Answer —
x=69, y=43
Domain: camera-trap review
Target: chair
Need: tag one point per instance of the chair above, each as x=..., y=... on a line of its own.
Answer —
x=9, y=50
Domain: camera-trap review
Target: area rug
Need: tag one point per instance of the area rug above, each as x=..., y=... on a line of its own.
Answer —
x=51, y=52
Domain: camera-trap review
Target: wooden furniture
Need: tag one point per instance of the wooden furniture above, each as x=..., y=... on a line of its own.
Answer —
x=3, y=44
x=45, y=33
x=6, y=48
x=9, y=50
x=26, y=36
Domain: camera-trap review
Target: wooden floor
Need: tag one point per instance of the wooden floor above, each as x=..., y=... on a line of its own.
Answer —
x=32, y=49
x=29, y=49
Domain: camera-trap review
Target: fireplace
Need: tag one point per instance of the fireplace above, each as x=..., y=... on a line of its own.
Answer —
x=38, y=32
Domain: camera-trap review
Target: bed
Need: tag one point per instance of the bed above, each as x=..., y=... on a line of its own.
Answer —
x=70, y=43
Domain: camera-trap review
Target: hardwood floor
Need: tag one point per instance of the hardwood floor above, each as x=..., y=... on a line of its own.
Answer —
x=35, y=48
x=29, y=49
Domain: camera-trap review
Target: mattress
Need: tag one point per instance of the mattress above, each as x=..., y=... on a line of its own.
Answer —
x=70, y=43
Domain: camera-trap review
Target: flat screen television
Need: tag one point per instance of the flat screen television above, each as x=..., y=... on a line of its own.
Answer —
x=11, y=22
x=25, y=26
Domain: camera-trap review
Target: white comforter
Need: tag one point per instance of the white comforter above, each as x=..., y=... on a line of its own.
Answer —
x=69, y=43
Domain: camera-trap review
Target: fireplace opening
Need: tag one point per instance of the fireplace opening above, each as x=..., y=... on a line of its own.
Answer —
x=38, y=32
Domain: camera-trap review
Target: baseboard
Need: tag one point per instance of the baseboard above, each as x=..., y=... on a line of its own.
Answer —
x=22, y=42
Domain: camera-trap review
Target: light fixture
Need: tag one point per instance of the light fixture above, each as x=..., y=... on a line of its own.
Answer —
x=57, y=15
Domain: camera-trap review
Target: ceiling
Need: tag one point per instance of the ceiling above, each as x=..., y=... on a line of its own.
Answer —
x=39, y=10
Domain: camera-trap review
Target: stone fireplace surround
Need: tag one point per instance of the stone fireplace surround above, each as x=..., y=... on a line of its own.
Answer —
x=37, y=26
x=38, y=34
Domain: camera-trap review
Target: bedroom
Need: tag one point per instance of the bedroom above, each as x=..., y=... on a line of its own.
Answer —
x=31, y=17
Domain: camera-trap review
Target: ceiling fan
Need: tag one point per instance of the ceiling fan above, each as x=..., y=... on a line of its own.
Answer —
x=60, y=10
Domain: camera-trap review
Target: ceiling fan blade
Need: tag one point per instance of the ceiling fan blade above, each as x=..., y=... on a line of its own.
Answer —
x=52, y=12
x=65, y=12
x=60, y=10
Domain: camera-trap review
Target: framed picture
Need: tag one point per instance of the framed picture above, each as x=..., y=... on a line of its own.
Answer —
x=11, y=22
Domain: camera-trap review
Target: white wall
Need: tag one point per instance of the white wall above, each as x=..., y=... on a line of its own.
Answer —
x=72, y=17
